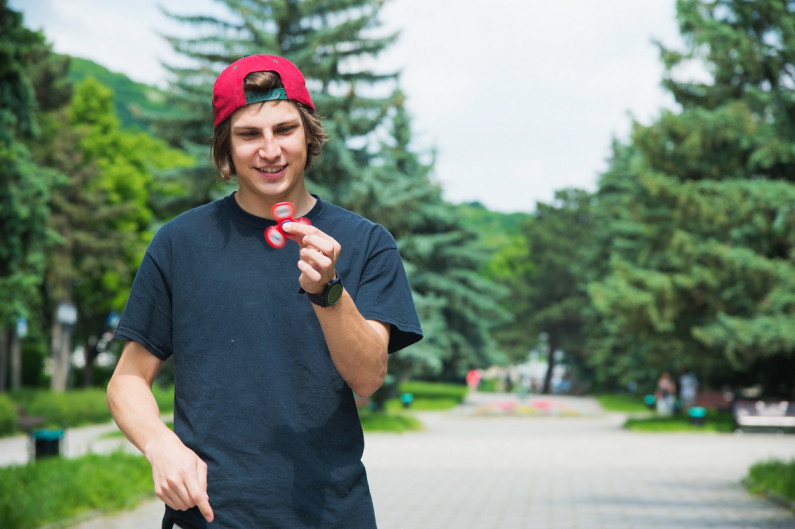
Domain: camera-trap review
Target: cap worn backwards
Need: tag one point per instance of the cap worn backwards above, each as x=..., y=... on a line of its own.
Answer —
x=228, y=93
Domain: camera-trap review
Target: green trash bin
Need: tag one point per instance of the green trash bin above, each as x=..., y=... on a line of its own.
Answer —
x=697, y=415
x=47, y=443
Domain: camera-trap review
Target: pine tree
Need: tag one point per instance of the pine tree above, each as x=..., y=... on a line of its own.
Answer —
x=696, y=243
x=24, y=189
x=457, y=306
x=546, y=294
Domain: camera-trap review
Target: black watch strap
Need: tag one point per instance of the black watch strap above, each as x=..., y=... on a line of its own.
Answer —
x=330, y=296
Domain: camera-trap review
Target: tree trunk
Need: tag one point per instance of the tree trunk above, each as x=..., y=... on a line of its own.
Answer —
x=16, y=361
x=62, y=344
x=91, y=353
x=553, y=345
x=3, y=357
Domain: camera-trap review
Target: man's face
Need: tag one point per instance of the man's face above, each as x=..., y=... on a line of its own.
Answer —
x=269, y=149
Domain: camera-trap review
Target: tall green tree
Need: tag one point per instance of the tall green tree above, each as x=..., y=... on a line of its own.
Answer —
x=547, y=297
x=24, y=189
x=696, y=243
x=101, y=212
x=458, y=307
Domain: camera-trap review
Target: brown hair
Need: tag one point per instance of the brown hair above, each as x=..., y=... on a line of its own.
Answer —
x=262, y=82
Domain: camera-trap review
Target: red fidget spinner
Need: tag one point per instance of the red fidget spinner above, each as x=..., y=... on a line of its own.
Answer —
x=283, y=212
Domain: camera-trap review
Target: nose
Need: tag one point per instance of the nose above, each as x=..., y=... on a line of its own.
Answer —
x=270, y=148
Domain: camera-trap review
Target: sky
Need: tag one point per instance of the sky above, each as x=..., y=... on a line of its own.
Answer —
x=519, y=98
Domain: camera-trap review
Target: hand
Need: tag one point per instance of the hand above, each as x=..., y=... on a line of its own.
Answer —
x=319, y=253
x=180, y=476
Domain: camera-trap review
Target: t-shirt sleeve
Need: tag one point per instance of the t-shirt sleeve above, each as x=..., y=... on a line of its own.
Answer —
x=384, y=293
x=146, y=318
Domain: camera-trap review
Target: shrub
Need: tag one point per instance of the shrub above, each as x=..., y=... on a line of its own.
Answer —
x=73, y=408
x=164, y=398
x=8, y=415
x=773, y=476
x=435, y=390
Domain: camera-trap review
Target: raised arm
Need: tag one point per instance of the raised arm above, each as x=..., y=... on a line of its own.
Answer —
x=358, y=346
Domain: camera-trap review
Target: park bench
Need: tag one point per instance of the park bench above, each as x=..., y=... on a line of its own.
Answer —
x=26, y=422
x=714, y=400
x=778, y=414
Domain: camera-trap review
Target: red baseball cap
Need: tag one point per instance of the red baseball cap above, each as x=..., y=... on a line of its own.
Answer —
x=228, y=94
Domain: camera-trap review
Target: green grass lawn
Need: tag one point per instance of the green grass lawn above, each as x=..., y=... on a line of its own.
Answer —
x=389, y=421
x=642, y=419
x=774, y=476
x=57, y=489
x=716, y=422
x=622, y=403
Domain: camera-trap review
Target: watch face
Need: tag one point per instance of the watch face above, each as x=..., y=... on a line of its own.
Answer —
x=334, y=293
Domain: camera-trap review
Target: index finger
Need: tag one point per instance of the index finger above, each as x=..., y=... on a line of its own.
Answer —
x=199, y=495
x=298, y=228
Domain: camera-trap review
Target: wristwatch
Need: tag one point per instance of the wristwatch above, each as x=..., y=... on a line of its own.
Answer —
x=330, y=296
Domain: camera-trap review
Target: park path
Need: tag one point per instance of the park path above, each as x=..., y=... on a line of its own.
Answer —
x=491, y=464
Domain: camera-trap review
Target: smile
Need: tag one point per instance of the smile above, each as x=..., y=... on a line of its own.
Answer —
x=271, y=170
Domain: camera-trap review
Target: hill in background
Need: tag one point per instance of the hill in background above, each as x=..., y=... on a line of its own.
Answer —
x=133, y=100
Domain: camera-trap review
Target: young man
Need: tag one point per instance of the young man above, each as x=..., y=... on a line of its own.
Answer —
x=269, y=345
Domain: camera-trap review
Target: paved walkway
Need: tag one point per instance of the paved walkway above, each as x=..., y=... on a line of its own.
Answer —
x=551, y=463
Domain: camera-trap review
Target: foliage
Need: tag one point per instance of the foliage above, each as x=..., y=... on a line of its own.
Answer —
x=694, y=257
x=545, y=274
x=24, y=189
x=78, y=407
x=443, y=258
x=56, y=489
x=773, y=476
x=101, y=211
x=8, y=415
x=75, y=408
x=133, y=102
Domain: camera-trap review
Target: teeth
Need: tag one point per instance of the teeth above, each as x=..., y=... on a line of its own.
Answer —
x=271, y=170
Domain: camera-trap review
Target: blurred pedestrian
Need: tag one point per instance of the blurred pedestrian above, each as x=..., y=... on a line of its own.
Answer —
x=688, y=389
x=665, y=395
x=473, y=379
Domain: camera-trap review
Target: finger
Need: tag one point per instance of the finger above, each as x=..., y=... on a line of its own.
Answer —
x=206, y=510
x=177, y=497
x=310, y=276
x=298, y=229
x=204, y=501
x=317, y=259
x=310, y=236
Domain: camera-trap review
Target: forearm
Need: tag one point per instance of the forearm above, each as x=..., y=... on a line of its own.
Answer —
x=130, y=398
x=135, y=411
x=358, y=347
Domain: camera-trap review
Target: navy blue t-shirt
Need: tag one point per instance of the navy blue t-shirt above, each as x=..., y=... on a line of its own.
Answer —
x=257, y=395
